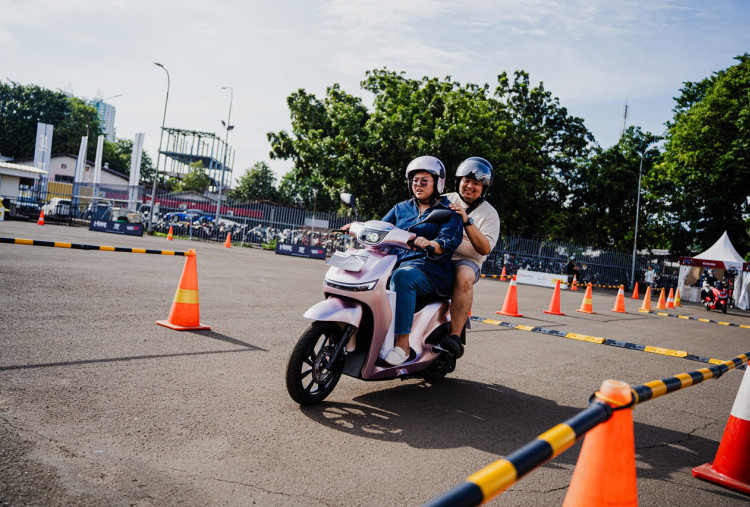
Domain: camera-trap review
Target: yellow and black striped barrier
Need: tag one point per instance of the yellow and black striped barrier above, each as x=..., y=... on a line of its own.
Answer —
x=602, y=341
x=79, y=246
x=487, y=483
x=699, y=319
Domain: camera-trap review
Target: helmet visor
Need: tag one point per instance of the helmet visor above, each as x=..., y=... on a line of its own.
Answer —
x=480, y=172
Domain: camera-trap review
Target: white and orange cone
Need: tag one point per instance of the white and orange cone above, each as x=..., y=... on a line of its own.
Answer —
x=670, y=298
x=731, y=467
x=620, y=301
x=41, y=218
x=510, y=305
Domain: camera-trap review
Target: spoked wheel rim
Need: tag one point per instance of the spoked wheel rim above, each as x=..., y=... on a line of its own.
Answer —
x=308, y=379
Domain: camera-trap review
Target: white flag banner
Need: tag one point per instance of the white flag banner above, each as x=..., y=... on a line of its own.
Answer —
x=98, y=165
x=135, y=170
x=43, y=149
x=81, y=162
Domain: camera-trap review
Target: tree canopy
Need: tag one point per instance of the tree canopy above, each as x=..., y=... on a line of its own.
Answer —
x=703, y=179
x=23, y=106
x=532, y=141
x=256, y=184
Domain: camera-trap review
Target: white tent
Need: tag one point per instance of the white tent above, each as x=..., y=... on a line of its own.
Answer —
x=721, y=256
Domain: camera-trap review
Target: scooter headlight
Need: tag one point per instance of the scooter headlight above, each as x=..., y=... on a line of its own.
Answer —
x=371, y=236
x=353, y=287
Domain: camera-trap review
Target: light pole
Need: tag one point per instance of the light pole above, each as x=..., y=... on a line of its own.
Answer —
x=158, y=155
x=637, y=213
x=226, y=150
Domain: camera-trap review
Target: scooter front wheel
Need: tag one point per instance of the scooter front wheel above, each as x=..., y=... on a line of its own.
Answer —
x=308, y=379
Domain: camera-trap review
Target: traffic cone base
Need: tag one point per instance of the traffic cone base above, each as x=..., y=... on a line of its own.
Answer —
x=605, y=471
x=554, y=305
x=41, y=218
x=620, y=301
x=731, y=467
x=586, y=306
x=185, y=312
x=635, y=291
x=510, y=305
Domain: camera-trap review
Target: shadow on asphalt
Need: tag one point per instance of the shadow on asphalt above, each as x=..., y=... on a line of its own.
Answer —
x=455, y=413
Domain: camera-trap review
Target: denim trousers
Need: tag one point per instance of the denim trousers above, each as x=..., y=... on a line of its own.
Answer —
x=408, y=282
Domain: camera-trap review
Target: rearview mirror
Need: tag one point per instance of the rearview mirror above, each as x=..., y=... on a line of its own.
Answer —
x=439, y=216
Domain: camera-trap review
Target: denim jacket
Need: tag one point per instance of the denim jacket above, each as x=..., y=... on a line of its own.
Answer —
x=438, y=268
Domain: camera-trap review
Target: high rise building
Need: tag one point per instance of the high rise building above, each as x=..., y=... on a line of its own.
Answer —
x=106, y=118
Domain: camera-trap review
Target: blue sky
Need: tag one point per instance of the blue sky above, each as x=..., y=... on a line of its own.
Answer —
x=595, y=56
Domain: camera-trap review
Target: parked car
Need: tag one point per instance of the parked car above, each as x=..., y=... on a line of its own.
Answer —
x=57, y=207
x=22, y=206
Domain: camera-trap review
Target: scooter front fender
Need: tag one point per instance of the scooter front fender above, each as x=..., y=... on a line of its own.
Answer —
x=336, y=309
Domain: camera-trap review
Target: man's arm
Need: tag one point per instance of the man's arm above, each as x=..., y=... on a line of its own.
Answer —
x=478, y=240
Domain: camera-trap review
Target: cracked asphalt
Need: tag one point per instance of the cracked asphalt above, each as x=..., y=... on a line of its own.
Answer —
x=100, y=406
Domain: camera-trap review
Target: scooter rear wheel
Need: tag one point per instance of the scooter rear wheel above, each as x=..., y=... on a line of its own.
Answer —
x=307, y=378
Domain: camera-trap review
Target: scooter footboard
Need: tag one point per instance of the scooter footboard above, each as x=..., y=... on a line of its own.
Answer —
x=336, y=309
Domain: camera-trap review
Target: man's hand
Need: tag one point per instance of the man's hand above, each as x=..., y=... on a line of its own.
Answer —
x=460, y=210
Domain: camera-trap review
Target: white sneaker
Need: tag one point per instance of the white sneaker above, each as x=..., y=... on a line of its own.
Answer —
x=396, y=356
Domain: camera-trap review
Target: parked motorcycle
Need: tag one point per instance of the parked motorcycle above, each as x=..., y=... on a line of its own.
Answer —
x=353, y=330
x=715, y=297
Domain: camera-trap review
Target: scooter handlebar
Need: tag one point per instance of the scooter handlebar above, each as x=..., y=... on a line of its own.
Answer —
x=430, y=249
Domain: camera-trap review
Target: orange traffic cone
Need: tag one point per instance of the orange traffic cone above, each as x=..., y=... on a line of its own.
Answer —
x=554, y=304
x=660, y=304
x=620, y=301
x=646, y=306
x=185, y=312
x=608, y=447
x=510, y=305
x=503, y=277
x=670, y=298
x=586, y=303
x=169, y=234
x=574, y=285
x=677, y=300
x=731, y=467
x=635, y=292
x=228, y=242
x=41, y=218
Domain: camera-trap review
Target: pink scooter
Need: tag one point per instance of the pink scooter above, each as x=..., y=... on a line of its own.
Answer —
x=353, y=330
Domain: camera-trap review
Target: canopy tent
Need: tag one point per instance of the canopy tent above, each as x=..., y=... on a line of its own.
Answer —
x=721, y=257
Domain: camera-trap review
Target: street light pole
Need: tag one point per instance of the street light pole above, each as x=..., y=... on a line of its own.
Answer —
x=637, y=213
x=226, y=151
x=158, y=155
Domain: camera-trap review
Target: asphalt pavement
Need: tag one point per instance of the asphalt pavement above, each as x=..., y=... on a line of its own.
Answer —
x=99, y=405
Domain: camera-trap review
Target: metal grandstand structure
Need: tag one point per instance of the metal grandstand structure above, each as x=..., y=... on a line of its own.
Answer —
x=183, y=147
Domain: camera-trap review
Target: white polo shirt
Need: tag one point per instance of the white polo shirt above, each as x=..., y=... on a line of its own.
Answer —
x=486, y=220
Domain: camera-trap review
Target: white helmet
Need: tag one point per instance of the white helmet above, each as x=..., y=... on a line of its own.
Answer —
x=430, y=164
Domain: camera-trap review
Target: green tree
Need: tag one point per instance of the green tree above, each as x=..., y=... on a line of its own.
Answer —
x=22, y=106
x=256, y=184
x=703, y=177
x=296, y=189
x=196, y=180
x=532, y=142
x=604, y=193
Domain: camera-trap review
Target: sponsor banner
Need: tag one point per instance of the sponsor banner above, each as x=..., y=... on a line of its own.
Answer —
x=691, y=261
x=312, y=252
x=116, y=227
x=541, y=279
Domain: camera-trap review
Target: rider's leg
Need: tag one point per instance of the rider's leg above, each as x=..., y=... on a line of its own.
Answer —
x=462, y=298
x=407, y=282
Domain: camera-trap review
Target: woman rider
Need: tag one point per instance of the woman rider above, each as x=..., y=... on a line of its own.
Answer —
x=419, y=272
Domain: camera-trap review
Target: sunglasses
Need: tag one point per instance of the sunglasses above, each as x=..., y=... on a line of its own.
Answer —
x=421, y=182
